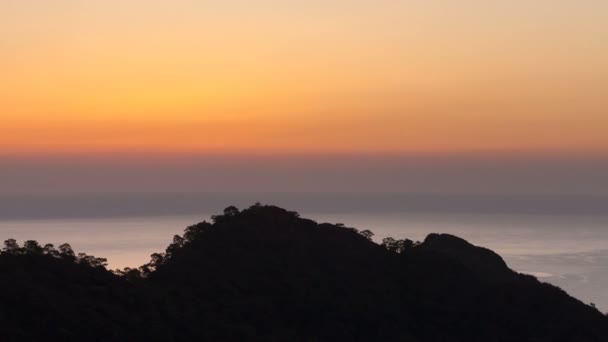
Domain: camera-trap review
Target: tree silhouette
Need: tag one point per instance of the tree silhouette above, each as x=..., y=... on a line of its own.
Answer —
x=368, y=234
x=66, y=251
x=11, y=247
x=49, y=249
x=231, y=211
x=32, y=247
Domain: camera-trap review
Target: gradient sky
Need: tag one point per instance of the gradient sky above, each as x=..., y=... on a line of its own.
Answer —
x=117, y=80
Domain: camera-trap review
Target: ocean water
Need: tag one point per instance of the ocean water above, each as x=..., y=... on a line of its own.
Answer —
x=560, y=243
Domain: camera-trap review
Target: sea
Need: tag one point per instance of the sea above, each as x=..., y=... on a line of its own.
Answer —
x=562, y=240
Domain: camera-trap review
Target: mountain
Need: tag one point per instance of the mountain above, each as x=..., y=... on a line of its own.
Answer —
x=266, y=274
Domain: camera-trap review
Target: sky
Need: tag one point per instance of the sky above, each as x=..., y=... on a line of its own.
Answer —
x=471, y=95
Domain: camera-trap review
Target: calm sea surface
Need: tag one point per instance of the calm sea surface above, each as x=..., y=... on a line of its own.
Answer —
x=568, y=248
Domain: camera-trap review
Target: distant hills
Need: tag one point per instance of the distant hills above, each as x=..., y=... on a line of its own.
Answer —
x=266, y=274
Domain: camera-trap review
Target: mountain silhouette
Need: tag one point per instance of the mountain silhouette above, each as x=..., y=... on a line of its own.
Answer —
x=266, y=274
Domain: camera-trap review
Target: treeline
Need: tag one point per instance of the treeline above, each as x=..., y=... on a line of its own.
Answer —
x=64, y=251
x=191, y=233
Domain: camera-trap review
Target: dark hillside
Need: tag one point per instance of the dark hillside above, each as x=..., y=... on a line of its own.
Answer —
x=265, y=274
x=59, y=297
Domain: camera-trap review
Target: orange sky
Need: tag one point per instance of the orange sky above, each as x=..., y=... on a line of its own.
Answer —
x=308, y=77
